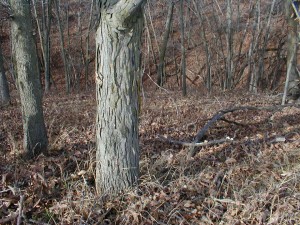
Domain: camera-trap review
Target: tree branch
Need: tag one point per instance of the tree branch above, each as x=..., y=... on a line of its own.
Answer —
x=188, y=144
x=123, y=11
x=219, y=115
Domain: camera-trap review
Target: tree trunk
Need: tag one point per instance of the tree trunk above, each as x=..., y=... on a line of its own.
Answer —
x=118, y=55
x=46, y=42
x=25, y=63
x=163, y=46
x=229, y=39
x=4, y=90
x=293, y=89
x=62, y=46
x=183, y=59
x=87, y=50
x=206, y=46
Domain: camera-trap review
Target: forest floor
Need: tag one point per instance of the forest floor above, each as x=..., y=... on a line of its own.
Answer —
x=253, y=179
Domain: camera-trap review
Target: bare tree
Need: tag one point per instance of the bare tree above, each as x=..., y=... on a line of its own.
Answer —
x=87, y=50
x=118, y=62
x=229, y=41
x=183, y=54
x=46, y=18
x=62, y=46
x=25, y=63
x=163, y=45
x=43, y=28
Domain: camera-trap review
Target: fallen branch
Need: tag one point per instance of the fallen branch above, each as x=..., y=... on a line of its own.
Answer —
x=219, y=115
x=189, y=144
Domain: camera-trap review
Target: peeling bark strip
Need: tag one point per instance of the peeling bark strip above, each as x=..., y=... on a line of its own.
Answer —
x=25, y=63
x=118, y=42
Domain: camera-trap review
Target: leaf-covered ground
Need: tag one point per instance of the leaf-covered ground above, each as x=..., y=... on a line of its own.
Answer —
x=252, y=180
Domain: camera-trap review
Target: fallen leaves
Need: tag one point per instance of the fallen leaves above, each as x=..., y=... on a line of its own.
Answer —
x=250, y=180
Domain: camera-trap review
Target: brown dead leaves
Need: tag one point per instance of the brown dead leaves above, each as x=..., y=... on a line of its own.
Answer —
x=252, y=180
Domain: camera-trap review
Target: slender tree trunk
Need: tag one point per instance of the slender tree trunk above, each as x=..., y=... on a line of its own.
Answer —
x=44, y=36
x=34, y=5
x=254, y=46
x=79, y=25
x=25, y=63
x=163, y=46
x=206, y=45
x=183, y=59
x=47, y=25
x=229, y=38
x=4, y=90
x=150, y=41
x=261, y=62
x=118, y=61
x=87, y=50
x=62, y=46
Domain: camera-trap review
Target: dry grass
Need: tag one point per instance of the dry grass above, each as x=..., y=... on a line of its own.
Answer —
x=250, y=181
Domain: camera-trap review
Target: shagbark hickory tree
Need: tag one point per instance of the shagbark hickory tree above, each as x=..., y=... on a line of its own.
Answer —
x=118, y=62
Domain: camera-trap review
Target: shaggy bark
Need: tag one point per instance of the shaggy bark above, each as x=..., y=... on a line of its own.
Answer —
x=118, y=42
x=25, y=63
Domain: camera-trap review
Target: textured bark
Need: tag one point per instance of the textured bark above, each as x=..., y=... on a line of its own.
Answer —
x=25, y=63
x=4, y=90
x=118, y=43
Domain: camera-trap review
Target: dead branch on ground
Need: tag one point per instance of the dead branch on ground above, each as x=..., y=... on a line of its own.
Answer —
x=219, y=115
x=188, y=144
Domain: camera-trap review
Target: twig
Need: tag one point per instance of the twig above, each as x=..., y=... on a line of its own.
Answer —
x=20, y=210
x=189, y=144
x=7, y=190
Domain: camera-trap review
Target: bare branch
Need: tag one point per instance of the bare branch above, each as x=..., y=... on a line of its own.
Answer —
x=188, y=144
x=123, y=12
x=219, y=115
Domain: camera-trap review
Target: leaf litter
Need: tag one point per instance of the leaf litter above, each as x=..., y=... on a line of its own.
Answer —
x=252, y=180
